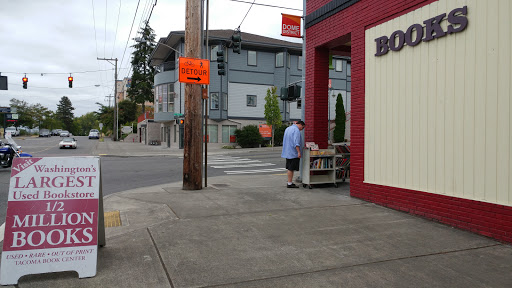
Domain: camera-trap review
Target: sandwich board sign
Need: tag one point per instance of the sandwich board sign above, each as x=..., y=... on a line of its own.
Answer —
x=54, y=217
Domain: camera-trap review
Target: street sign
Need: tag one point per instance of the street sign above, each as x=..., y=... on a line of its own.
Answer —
x=265, y=130
x=5, y=109
x=194, y=71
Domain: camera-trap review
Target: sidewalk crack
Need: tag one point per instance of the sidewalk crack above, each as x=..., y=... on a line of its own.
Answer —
x=355, y=265
x=160, y=257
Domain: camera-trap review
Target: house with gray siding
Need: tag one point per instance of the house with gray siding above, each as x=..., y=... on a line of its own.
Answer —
x=237, y=98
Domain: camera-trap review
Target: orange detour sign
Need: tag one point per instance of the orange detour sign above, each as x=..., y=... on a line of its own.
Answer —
x=194, y=71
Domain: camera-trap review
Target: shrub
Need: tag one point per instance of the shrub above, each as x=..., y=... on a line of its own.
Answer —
x=339, y=129
x=249, y=136
x=278, y=135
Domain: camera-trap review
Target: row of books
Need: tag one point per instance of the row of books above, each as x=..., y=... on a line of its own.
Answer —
x=341, y=173
x=344, y=148
x=342, y=162
x=321, y=163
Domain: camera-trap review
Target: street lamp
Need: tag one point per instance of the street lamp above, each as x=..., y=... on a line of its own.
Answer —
x=141, y=40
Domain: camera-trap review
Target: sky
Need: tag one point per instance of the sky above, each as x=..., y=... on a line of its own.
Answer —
x=52, y=39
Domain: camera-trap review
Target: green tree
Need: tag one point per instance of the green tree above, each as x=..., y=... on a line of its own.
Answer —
x=24, y=113
x=141, y=86
x=65, y=113
x=248, y=136
x=339, y=129
x=272, y=112
x=127, y=111
x=39, y=114
x=85, y=123
x=106, y=116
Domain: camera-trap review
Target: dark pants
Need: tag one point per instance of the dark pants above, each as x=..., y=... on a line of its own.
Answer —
x=293, y=164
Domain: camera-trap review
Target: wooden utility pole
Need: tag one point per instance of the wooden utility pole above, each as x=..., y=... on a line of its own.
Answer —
x=192, y=158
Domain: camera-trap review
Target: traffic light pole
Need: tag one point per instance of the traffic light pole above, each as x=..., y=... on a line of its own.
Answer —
x=116, y=117
x=192, y=158
x=206, y=105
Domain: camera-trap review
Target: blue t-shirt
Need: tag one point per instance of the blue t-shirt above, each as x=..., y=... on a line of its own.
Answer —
x=291, y=139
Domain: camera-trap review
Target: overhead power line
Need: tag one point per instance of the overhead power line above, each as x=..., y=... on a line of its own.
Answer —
x=246, y=14
x=126, y=46
x=57, y=73
x=67, y=88
x=117, y=25
x=273, y=6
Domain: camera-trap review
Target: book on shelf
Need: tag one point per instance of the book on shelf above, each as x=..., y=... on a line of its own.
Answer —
x=343, y=148
x=321, y=163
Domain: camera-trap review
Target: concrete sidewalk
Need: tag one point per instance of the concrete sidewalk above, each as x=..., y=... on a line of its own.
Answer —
x=251, y=231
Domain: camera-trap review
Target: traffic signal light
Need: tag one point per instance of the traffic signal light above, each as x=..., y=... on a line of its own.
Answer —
x=284, y=94
x=180, y=121
x=70, y=80
x=237, y=43
x=290, y=93
x=220, y=60
x=25, y=80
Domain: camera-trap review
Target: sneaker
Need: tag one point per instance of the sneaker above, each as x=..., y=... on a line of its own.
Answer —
x=292, y=186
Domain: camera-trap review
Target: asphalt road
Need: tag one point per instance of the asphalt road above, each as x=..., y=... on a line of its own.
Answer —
x=125, y=173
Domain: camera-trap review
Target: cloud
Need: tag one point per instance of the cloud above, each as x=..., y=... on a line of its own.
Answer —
x=54, y=36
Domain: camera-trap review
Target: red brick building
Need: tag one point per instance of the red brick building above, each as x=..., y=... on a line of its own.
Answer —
x=431, y=125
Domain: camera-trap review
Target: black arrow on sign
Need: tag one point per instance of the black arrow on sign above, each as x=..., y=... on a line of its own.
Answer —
x=197, y=79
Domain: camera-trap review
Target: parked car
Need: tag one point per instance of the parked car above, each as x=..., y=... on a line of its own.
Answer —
x=56, y=132
x=13, y=130
x=44, y=133
x=94, y=130
x=64, y=133
x=68, y=142
x=94, y=135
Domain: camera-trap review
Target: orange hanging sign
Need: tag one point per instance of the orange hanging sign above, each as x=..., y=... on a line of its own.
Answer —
x=291, y=26
x=194, y=71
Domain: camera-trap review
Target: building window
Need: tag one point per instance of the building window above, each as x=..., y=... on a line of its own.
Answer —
x=159, y=98
x=348, y=70
x=251, y=100
x=213, y=131
x=213, y=56
x=225, y=101
x=214, y=101
x=299, y=103
x=227, y=132
x=251, y=58
x=164, y=98
x=288, y=60
x=338, y=65
x=299, y=63
x=279, y=59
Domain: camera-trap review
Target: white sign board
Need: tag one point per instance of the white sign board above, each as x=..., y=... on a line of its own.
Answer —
x=52, y=218
x=127, y=129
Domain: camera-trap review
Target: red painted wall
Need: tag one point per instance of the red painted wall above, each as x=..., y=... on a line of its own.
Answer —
x=484, y=218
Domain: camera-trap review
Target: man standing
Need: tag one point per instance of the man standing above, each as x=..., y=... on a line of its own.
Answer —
x=291, y=150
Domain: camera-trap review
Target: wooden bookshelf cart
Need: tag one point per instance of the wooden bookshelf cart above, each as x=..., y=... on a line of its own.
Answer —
x=318, y=167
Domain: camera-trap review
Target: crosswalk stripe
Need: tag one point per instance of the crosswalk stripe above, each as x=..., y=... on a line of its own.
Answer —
x=233, y=162
x=242, y=166
x=253, y=171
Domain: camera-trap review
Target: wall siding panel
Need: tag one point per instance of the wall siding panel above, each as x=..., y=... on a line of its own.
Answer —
x=437, y=115
x=237, y=102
